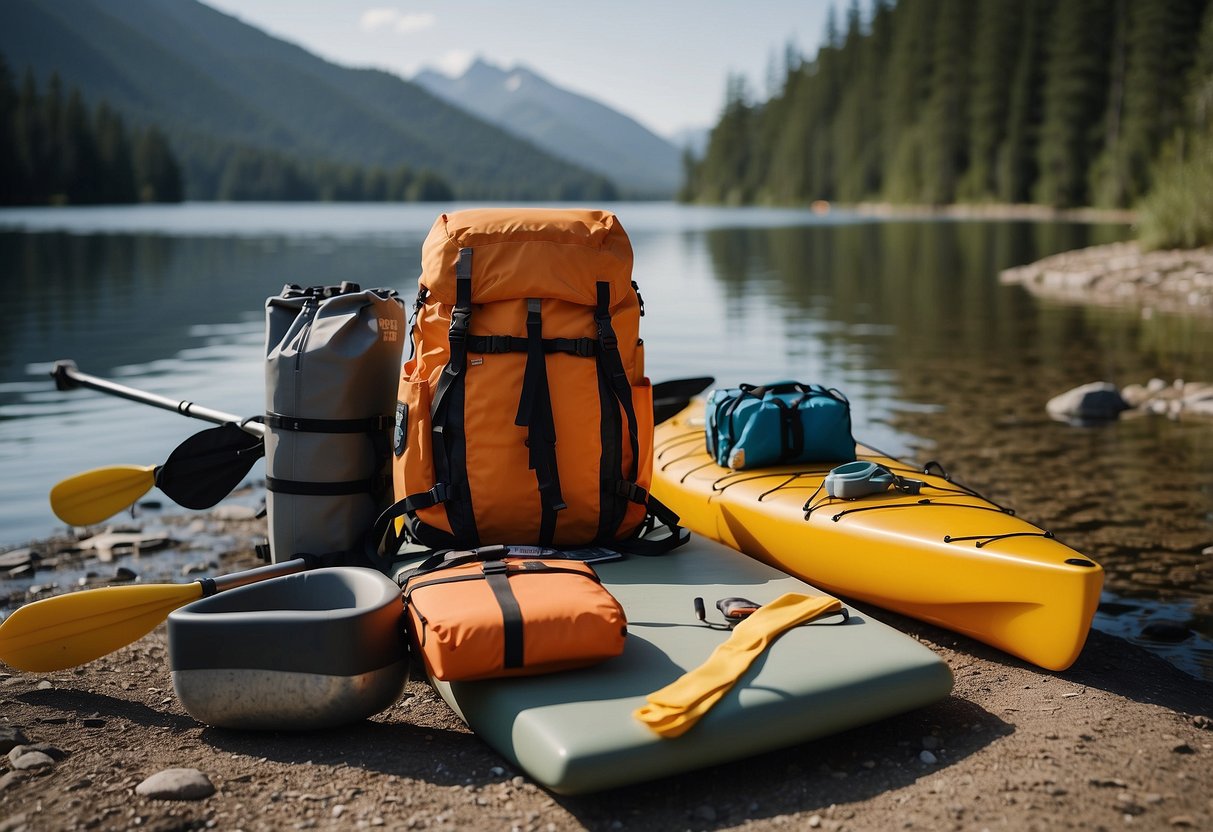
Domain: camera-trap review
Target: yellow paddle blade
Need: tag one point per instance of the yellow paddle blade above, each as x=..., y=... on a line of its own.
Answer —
x=94, y=495
x=69, y=630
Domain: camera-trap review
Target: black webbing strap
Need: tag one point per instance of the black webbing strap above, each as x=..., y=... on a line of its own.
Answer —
x=492, y=344
x=371, y=424
x=497, y=574
x=446, y=413
x=322, y=489
x=616, y=376
x=535, y=414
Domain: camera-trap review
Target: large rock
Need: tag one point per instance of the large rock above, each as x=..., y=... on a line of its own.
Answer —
x=1099, y=401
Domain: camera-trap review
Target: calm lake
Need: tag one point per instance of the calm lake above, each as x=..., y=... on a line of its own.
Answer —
x=907, y=317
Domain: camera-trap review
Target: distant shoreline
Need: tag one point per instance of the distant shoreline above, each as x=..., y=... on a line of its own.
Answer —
x=995, y=211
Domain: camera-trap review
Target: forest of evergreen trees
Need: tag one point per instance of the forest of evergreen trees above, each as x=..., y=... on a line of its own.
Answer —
x=54, y=151
x=1058, y=102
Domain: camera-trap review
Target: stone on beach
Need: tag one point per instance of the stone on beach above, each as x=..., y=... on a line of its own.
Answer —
x=176, y=784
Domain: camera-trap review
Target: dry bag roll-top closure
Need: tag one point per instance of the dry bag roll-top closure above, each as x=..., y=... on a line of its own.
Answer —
x=524, y=415
x=332, y=356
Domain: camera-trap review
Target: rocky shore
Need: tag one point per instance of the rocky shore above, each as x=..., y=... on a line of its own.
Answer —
x=1121, y=274
x=1120, y=740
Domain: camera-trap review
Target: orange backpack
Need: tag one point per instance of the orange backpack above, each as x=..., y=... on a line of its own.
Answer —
x=524, y=415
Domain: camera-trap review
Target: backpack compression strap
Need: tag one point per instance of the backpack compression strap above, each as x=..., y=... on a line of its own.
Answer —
x=535, y=414
x=450, y=450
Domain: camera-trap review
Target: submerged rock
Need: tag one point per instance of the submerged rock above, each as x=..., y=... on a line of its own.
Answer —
x=1099, y=401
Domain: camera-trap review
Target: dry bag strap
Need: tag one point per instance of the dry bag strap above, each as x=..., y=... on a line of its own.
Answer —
x=374, y=426
x=371, y=424
x=496, y=573
x=535, y=414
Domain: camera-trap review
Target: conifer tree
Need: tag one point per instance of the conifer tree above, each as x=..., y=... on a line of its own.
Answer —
x=997, y=39
x=1075, y=96
x=945, y=123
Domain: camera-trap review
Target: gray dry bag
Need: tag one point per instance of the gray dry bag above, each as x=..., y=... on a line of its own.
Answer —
x=332, y=363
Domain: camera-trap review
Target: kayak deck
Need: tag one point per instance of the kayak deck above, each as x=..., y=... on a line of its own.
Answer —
x=945, y=555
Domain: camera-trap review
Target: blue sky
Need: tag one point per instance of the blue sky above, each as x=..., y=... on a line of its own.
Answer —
x=663, y=62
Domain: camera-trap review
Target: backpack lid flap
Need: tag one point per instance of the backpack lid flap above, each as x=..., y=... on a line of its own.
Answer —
x=529, y=252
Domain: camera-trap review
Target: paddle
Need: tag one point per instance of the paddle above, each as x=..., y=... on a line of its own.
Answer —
x=69, y=630
x=199, y=473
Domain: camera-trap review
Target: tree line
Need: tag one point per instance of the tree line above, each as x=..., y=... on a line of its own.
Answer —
x=54, y=151
x=1059, y=102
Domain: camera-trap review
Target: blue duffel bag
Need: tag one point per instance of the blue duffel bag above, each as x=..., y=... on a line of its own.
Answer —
x=783, y=423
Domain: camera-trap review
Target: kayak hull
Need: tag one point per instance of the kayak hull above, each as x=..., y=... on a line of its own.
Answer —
x=945, y=555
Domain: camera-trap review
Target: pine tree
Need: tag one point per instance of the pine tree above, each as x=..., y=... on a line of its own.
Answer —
x=945, y=135
x=114, y=152
x=996, y=44
x=157, y=174
x=10, y=171
x=1016, y=167
x=907, y=82
x=1075, y=96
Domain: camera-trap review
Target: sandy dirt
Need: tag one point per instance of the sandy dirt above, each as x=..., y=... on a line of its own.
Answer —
x=1122, y=740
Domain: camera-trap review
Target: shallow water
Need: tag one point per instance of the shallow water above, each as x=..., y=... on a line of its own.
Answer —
x=907, y=317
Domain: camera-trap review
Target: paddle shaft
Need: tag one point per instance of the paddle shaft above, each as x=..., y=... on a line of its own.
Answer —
x=259, y=573
x=68, y=377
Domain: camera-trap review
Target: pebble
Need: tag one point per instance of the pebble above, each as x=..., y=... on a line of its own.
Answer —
x=1185, y=821
x=30, y=760
x=1203, y=722
x=123, y=573
x=928, y=758
x=10, y=737
x=44, y=685
x=49, y=750
x=1183, y=748
x=11, y=779
x=176, y=784
x=15, y=558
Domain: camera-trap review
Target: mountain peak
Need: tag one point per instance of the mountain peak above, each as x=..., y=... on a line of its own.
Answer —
x=567, y=124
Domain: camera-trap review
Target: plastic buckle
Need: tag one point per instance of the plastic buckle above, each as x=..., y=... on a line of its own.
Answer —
x=495, y=567
x=584, y=347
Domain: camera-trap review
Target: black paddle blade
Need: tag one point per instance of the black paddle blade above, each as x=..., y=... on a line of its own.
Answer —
x=671, y=397
x=206, y=467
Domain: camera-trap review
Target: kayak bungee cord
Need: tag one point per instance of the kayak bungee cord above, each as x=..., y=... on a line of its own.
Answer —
x=789, y=478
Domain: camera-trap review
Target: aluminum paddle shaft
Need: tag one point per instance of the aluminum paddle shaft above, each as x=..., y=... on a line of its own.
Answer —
x=68, y=377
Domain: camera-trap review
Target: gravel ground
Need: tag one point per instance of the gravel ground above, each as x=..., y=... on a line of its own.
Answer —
x=1121, y=740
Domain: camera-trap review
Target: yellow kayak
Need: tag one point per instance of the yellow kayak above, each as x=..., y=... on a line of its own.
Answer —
x=945, y=555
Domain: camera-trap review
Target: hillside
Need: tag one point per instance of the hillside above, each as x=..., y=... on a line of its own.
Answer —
x=566, y=124
x=215, y=85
